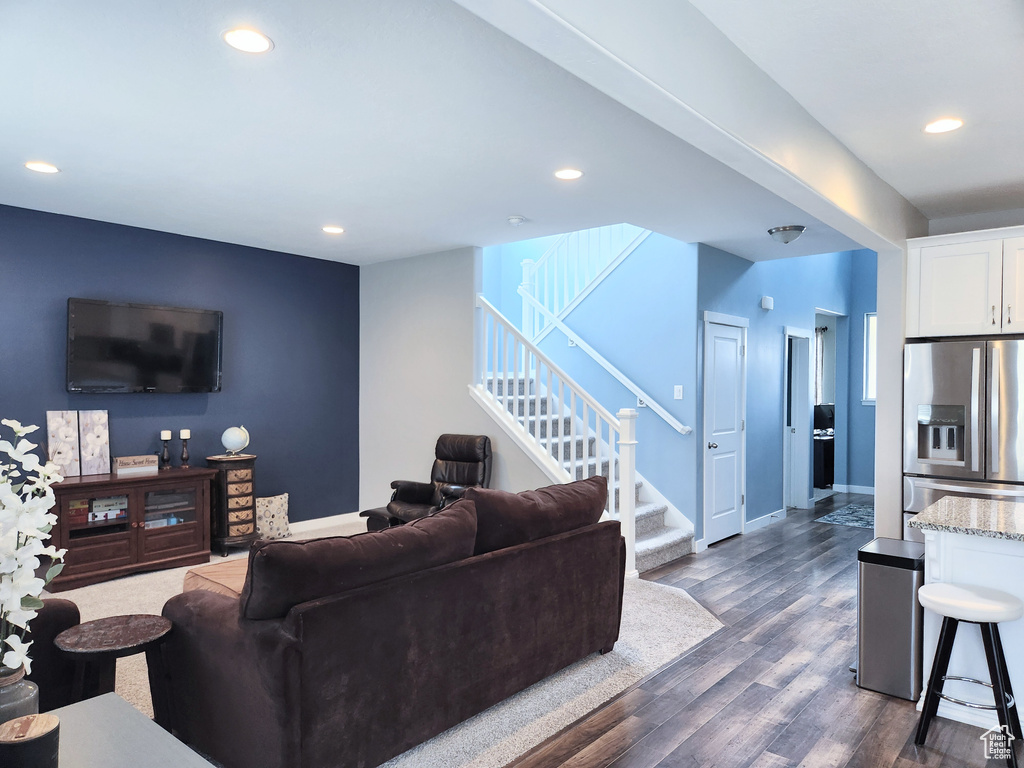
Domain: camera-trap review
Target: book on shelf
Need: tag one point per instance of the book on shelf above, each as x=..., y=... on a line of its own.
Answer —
x=109, y=503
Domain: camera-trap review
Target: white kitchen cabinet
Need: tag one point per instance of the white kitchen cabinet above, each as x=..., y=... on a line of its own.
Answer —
x=966, y=284
x=1013, y=285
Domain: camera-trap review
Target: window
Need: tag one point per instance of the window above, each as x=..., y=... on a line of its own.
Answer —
x=870, y=364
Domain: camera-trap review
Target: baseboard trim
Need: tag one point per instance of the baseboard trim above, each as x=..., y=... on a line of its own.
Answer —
x=700, y=545
x=866, y=489
x=765, y=520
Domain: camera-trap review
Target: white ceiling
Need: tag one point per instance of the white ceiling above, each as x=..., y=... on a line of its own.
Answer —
x=419, y=127
x=874, y=72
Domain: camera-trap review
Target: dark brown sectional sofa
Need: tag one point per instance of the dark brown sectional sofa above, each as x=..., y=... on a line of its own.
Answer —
x=342, y=653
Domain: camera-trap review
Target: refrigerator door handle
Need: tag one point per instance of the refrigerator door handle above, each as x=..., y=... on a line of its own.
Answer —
x=975, y=406
x=974, y=491
x=993, y=425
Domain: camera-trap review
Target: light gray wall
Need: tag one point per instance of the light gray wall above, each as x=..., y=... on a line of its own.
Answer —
x=415, y=365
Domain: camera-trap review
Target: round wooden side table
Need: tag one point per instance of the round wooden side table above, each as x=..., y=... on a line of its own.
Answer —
x=97, y=645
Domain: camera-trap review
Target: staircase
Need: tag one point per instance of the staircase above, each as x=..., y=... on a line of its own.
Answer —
x=570, y=269
x=582, y=454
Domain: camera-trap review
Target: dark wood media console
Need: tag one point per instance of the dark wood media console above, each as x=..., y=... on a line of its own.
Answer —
x=112, y=526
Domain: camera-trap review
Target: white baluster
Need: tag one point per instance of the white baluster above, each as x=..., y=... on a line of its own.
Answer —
x=494, y=356
x=515, y=370
x=613, y=506
x=627, y=484
x=550, y=404
x=530, y=287
x=537, y=402
x=572, y=434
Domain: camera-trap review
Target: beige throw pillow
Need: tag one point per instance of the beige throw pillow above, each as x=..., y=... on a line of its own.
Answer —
x=272, y=517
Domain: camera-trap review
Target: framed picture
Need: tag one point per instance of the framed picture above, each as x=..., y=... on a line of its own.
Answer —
x=94, y=442
x=62, y=441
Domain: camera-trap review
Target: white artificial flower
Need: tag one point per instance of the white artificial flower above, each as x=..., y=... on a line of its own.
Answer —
x=18, y=655
x=21, y=583
x=19, y=430
x=25, y=522
x=18, y=452
x=19, y=617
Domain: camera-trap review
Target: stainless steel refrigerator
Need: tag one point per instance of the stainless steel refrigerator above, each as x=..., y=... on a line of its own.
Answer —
x=962, y=430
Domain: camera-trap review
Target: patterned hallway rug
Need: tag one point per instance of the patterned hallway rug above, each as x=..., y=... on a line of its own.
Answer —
x=856, y=515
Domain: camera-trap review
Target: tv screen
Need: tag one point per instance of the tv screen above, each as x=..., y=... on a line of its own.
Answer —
x=141, y=348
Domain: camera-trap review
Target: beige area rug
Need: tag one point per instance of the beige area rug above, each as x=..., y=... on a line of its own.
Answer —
x=659, y=623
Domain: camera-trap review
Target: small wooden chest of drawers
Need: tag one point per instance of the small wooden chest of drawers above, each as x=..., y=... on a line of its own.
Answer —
x=233, y=512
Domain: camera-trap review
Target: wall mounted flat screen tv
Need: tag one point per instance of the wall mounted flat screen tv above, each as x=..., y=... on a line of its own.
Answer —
x=142, y=348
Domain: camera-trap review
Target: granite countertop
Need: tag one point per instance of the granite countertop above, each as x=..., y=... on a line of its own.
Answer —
x=973, y=517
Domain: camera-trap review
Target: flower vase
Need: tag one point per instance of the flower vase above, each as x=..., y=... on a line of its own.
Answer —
x=18, y=696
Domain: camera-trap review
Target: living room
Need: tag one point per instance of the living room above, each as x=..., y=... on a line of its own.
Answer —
x=197, y=176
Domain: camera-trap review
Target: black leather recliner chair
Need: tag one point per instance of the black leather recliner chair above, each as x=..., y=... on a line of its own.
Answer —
x=460, y=461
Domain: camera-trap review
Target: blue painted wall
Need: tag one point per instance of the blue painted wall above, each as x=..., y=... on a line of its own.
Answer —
x=291, y=347
x=863, y=298
x=641, y=319
x=503, y=274
x=657, y=298
x=734, y=286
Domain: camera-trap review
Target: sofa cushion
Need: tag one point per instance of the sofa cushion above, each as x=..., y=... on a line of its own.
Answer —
x=506, y=519
x=285, y=573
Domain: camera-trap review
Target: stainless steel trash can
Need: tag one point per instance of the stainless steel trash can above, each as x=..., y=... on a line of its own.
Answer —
x=889, y=617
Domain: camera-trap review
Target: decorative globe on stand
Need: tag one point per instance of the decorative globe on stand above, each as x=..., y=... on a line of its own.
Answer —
x=234, y=440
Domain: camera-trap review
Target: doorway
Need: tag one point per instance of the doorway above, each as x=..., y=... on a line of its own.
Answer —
x=830, y=397
x=724, y=438
x=798, y=406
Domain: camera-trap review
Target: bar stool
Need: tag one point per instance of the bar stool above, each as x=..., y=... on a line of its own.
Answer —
x=985, y=607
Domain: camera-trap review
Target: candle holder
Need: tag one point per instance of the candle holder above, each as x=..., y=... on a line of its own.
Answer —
x=165, y=457
x=184, y=453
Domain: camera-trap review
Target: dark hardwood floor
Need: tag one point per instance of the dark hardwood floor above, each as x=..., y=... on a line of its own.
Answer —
x=772, y=689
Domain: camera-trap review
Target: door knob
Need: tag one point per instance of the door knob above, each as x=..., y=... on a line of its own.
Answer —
x=712, y=445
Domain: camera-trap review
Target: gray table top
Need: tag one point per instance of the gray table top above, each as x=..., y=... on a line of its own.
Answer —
x=108, y=732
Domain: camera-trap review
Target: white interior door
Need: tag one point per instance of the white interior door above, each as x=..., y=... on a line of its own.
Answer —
x=798, y=407
x=723, y=447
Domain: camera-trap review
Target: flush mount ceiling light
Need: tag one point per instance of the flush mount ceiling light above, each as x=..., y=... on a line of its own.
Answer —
x=515, y=221
x=568, y=174
x=944, y=125
x=248, y=40
x=40, y=167
x=786, y=235
x=331, y=229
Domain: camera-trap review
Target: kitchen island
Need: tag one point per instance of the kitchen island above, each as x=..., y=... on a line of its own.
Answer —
x=981, y=542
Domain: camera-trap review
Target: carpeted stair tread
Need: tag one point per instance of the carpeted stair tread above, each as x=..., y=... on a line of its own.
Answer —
x=650, y=518
x=656, y=543
x=668, y=545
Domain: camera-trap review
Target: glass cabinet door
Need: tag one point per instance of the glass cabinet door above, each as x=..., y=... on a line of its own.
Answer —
x=168, y=508
x=88, y=516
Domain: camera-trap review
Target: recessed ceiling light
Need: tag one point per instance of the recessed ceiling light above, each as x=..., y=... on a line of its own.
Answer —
x=248, y=40
x=944, y=125
x=568, y=174
x=41, y=167
x=330, y=229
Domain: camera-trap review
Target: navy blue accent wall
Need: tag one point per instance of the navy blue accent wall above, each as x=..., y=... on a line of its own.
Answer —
x=291, y=347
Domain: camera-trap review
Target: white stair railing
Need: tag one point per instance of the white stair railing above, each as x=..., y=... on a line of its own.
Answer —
x=598, y=358
x=573, y=265
x=565, y=430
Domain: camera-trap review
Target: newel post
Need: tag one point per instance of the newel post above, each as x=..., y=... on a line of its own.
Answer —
x=530, y=289
x=627, y=485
